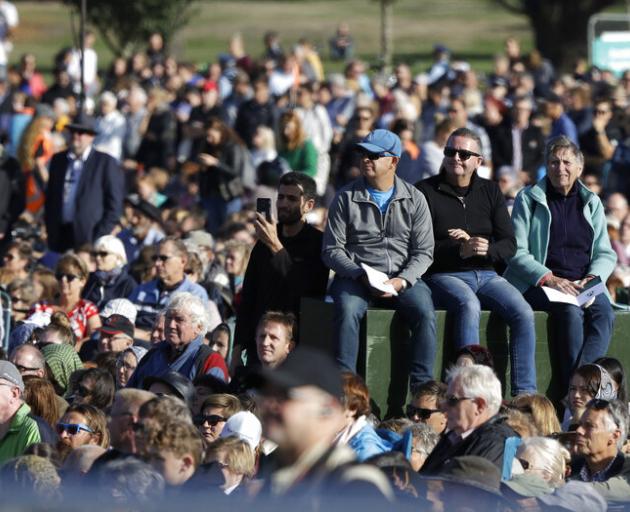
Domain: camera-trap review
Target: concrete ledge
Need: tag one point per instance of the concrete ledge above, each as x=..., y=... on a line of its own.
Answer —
x=384, y=340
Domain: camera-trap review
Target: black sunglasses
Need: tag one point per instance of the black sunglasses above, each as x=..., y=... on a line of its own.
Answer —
x=212, y=419
x=463, y=154
x=423, y=414
x=524, y=463
x=69, y=277
x=163, y=258
x=102, y=254
x=370, y=156
x=452, y=400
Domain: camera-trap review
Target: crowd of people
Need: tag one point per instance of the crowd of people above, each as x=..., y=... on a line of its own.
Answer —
x=157, y=240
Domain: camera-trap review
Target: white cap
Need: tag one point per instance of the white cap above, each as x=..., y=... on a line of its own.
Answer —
x=245, y=426
x=122, y=307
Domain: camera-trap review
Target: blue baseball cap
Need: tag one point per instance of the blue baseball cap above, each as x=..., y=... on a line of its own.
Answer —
x=382, y=143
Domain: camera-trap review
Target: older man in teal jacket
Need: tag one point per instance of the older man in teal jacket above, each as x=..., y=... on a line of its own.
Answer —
x=562, y=243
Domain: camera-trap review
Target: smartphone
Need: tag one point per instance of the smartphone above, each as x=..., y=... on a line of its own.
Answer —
x=263, y=206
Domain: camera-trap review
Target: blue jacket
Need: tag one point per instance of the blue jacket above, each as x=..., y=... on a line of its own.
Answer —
x=531, y=218
x=367, y=443
x=156, y=363
x=149, y=299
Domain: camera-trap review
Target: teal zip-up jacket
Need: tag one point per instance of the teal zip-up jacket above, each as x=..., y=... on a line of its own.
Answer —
x=531, y=219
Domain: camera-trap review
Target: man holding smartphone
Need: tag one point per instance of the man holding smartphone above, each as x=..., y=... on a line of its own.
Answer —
x=285, y=264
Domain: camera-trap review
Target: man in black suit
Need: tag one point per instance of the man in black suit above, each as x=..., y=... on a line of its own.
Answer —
x=474, y=426
x=84, y=198
x=519, y=144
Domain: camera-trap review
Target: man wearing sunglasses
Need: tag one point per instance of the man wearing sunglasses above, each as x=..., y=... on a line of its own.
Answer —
x=473, y=237
x=18, y=430
x=425, y=405
x=383, y=222
x=474, y=425
x=600, y=438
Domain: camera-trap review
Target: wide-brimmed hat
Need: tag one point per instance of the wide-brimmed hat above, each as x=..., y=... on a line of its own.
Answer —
x=83, y=123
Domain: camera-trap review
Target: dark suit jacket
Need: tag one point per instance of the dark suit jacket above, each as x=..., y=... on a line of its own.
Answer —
x=487, y=441
x=99, y=199
x=532, y=146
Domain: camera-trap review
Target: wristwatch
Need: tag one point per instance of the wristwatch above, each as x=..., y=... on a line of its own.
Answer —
x=404, y=285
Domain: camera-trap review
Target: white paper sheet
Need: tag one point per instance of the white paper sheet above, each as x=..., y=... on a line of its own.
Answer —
x=377, y=278
x=590, y=293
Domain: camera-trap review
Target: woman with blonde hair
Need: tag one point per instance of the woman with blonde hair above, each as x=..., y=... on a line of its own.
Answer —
x=295, y=148
x=541, y=411
x=236, y=460
x=544, y=457
x=111, y=279
x=34, y=152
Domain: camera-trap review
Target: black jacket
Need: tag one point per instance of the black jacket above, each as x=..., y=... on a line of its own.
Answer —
x=100, y=293
x=278, y=282
x=481, y=212
x=532, y=147
x=487, y=441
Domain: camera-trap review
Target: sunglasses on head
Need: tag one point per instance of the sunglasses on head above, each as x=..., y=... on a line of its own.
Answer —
x=463, y=154
x=69, y=277
x=212, y=419
x=423, y=414
x=73, y=428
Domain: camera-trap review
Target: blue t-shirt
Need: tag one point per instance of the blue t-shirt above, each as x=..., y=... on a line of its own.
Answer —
x=381, y=198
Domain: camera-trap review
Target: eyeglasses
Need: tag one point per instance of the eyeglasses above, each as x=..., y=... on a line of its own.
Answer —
x=100, y=254
x=69, y=277
x=602, y=112
x=212, y=419
x=162, y=257
x=15, y=298
x=423, y=414
x=463, y=154
x=73, y=428
x=452, y=400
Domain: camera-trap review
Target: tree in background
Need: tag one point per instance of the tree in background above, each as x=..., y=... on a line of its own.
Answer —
x=387, y=46
x=560, y=26
x=125, y=25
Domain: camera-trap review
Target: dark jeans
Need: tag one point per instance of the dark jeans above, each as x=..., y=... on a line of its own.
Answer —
x=581, y=334
x=352, y=298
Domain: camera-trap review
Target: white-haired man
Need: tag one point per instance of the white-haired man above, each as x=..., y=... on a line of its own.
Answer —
x=182, y=350
x=474, y=426
x=600, y=438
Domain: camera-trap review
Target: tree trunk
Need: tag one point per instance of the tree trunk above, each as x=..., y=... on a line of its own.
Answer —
x=560, y=26
x=386, y=34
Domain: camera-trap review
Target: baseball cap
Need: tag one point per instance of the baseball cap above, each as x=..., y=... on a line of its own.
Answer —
x=10, y=373
x=306, y=366
x=122, y=307
x=381, y=142
x=245, y=426
x=118, y=324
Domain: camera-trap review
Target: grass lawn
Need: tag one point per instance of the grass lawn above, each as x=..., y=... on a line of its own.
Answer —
x=473, y=29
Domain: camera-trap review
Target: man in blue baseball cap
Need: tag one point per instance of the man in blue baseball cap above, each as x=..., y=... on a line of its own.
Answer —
x=380, y=222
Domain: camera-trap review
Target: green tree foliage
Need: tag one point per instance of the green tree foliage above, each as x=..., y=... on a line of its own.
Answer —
x=125, y=25
x=559, y=26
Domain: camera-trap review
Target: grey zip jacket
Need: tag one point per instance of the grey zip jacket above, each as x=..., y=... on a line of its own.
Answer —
x=398, y=243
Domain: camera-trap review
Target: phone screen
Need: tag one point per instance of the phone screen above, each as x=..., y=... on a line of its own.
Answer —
x=263, y=206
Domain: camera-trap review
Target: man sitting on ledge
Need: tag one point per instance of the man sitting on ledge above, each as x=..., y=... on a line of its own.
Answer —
x=384, y=222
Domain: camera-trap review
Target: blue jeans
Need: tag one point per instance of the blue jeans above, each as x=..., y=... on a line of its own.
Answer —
x=464, y=294
x=351, y=299
x=581, y=334
x=218, y=209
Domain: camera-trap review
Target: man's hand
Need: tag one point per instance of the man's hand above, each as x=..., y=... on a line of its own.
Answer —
x=267, y=233
x=474, y=246
x=458, y=234
x=564, y=285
